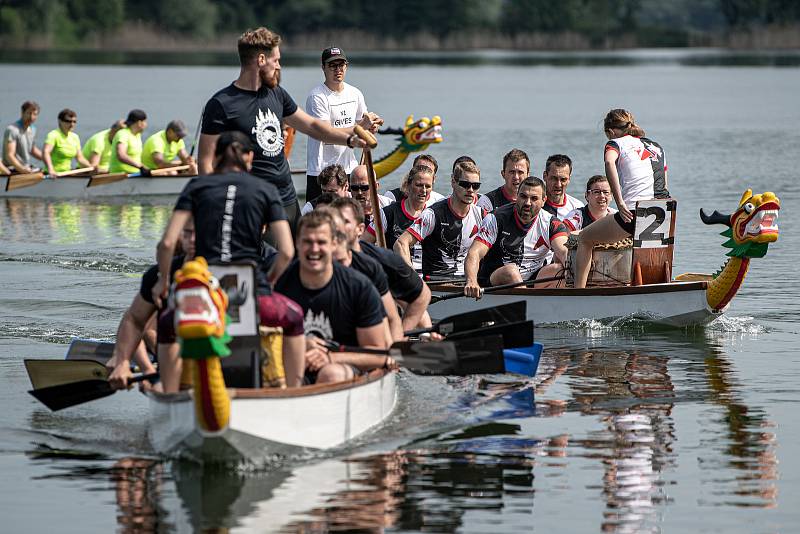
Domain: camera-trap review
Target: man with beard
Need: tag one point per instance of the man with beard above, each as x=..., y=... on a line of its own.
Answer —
x=557, y=172
x=447, y=228
x=359, y=188
x=516, y=167
x=514, y=242
x=257, y=106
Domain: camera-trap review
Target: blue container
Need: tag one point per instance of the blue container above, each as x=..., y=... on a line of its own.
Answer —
x=523, y=360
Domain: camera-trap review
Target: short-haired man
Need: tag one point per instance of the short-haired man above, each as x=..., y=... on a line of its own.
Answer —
x=359, y=189
x=598, y=196
x=166, y=148
x=400, y=192
x=332, y=180
x=126, y=147
x=97, y=150
x=19, y=140
x=339, y=304
x=338, y=103
x=515, y=241
x=557, y=172
x=516, y=167
x=447, y=228
x=256, y=105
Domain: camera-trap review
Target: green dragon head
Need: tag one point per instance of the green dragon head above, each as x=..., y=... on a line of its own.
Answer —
x=752, y=227
x=417, y=135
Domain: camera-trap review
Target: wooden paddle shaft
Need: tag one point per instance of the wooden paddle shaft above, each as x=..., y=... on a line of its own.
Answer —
x=167, y=170
x=74, y=172
x=366, y=156
x=366, y=136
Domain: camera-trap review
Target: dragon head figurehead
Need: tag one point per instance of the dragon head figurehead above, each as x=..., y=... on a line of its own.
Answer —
x=751, y=228
x=415, y=136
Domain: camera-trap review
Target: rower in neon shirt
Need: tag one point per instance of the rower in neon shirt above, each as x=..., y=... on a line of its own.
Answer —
x=62, y=145
x=126, y=147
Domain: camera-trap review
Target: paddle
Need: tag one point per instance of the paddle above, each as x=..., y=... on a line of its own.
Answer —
x=471, y=320
x=18, y=181
x=372, y=142
x=452, y=358
x=519, y=334
x=46, y=373
x=63, y=396
x=493, y=289
x=73, y=172
x=103, y=179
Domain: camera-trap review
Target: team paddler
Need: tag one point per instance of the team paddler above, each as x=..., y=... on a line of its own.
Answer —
x=97, y=149
x=166, y=148
x=19, y=140
x=256, y=105
x=62, y=145
x=126, y=147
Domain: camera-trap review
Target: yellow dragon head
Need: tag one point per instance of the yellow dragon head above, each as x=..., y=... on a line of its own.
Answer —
x=200, y=303
x=752, y=227
x=417, y=135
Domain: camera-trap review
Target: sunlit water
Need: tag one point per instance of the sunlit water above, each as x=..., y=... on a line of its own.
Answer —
x=627, y=427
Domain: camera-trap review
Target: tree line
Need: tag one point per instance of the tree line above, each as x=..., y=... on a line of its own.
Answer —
x=74, y=23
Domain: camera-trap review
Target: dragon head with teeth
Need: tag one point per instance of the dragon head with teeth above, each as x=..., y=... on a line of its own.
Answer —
x=752, y=227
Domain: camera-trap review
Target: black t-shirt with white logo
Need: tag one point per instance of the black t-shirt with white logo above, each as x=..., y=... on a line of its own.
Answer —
x=258, y=114
x=229, y=213
x=334, y=312
x=404, y=282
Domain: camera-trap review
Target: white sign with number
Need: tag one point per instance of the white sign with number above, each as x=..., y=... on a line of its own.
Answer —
x=238, y=281
x=654, y=223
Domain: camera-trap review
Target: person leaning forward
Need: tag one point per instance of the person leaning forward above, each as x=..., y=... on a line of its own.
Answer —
x=256, y=105
x=126, y=147
x=166, y=148
x=97, y=149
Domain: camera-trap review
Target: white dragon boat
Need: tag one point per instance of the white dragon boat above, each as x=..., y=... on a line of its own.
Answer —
x=652, y=293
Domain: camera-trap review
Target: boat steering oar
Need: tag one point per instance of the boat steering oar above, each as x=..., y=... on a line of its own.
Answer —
x=493, y=289
x=505, y=313
x=452, y=358
x=60, y=396
x=366, y=157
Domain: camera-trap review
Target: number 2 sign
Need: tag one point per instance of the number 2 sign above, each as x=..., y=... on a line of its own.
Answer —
x=654, y=223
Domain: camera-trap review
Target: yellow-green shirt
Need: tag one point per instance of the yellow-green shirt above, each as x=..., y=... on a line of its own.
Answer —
x=65, y=148
x=133, y=148
x=99, y=144
x=157, y=143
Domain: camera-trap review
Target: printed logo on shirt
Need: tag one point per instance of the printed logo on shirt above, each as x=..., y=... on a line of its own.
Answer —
x=318, y=325
x=268, y=133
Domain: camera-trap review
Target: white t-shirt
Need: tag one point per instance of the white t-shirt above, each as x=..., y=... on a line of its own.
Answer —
x=342, y=110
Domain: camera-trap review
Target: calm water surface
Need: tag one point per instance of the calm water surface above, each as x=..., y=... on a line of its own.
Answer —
x=627, y=428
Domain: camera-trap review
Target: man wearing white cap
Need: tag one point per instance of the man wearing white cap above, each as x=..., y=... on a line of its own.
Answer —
x=341, y=104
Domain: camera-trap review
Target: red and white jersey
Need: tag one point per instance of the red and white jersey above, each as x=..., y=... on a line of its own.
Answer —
x=582, y=217
x=641, y=167
x=561, y=211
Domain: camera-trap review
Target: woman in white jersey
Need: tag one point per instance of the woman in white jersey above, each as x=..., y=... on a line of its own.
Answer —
x=636, y=170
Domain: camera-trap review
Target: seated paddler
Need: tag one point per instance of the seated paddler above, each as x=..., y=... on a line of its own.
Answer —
x=515, y=242
x=230, y=209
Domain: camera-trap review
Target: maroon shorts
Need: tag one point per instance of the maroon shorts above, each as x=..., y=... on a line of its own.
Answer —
x=274, y=310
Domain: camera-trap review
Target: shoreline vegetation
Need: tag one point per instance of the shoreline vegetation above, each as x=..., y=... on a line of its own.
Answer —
x=395, y=26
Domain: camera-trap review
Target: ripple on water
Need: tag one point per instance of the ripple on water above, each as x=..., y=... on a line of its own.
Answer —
x=96, y=260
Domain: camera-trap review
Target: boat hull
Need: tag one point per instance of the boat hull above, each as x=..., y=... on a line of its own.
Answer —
x=74, y=187
x=677, y=304
x=269, y=423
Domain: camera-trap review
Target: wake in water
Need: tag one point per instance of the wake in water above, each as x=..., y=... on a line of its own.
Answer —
x=92, y=260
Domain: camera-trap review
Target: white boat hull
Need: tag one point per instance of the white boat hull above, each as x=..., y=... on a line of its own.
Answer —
x=675, y=304
x=74, y=187
x=265, y=423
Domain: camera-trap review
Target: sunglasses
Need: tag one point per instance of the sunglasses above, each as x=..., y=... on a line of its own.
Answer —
x=469, y=185
x=362, y=187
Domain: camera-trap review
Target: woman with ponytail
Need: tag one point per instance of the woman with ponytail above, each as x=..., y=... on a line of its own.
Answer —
x=636, y=169
x=232, y=211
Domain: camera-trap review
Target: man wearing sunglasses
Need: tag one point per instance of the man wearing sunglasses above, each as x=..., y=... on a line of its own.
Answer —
x=447, y=228
x=359, y=189
x=515, y=242
x=342, y=105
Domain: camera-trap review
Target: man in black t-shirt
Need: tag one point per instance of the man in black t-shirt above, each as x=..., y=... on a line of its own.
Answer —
x=339, y=304
x=256, y=105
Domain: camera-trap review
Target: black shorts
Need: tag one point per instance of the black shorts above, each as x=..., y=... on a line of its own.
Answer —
x=628, y=227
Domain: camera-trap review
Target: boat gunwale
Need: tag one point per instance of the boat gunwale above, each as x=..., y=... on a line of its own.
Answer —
x=668, y=287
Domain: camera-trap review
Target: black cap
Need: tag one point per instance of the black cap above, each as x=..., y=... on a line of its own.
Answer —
x=135, y=115
x=332, y=54
x=179, y=127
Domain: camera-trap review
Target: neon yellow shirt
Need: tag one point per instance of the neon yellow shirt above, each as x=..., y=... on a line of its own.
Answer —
x=133, y=148
x=99, y=144
x=65, y=147
x=157, y=143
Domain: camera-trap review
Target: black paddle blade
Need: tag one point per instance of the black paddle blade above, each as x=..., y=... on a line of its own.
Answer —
x=478, y=356
x=71, y=394
x=434, y=358
x=519, y=334
x=505, y=313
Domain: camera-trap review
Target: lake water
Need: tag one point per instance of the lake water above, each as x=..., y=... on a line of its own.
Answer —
x=627, y=428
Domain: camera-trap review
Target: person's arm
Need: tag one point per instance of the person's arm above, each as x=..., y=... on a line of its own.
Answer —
x=611, y=157
x=205, y=156
x=476, y=253
x=11, y=156
x=94, y=159
x=402, y=247
x=4, y=169
x=371, y=336
x=282, y=234
x=129, y=334
x=323, y=131
x=185, y=158
x=122, y=155
x=558, y=245
x=48, y=159
x=36, y=153
x=165, y=252
x=395, y=323
x=82, y=161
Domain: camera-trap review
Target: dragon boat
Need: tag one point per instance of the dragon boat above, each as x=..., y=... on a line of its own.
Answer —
x=636, y=281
